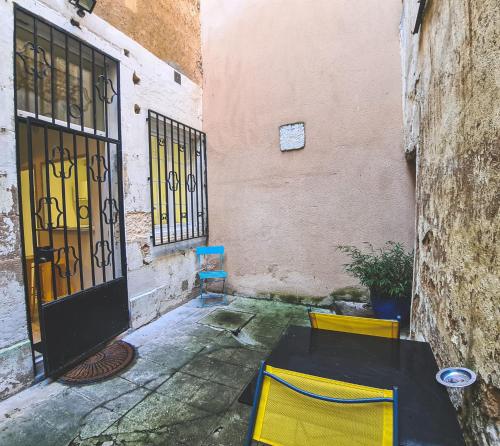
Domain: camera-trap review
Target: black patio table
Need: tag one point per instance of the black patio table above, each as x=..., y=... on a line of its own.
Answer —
x=426, y=415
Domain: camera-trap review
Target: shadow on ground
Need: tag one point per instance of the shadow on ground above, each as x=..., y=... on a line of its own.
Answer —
x=181, y=390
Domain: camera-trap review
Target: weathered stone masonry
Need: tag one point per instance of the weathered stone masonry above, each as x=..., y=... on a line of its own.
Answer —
x=15, y=348
x=452, y=121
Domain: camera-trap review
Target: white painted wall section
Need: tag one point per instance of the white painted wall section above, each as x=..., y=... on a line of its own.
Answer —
x=159, y=278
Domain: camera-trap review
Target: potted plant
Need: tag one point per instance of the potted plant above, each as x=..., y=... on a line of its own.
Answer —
x=387, y=272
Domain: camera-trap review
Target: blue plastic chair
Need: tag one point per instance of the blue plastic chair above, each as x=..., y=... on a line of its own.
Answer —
x=215, y=276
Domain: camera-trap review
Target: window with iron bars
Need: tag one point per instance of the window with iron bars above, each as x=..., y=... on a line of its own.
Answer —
x=178, y=180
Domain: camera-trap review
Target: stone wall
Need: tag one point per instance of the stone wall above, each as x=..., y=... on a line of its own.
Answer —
x=15, y=349
x=452, y=121
x=334, y=66
x=170, y=29
x=159, y=277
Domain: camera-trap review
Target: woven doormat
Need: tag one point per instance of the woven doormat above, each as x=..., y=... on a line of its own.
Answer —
x=111, y=360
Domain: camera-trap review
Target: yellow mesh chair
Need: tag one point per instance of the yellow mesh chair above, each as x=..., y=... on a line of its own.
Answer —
x=294, y=409
x=385, y=328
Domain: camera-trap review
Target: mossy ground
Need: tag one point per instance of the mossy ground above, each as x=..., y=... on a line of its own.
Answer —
x=182, y=389
x=350, y=293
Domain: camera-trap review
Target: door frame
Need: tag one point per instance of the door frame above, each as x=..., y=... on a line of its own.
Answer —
x=28, y=121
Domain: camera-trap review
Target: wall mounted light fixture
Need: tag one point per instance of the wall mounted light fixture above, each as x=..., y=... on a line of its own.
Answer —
x=83, y=6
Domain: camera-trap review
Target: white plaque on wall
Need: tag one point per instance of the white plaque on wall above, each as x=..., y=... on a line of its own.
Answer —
x=292, y=136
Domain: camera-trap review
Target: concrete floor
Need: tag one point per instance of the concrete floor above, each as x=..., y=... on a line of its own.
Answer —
x=181, y=390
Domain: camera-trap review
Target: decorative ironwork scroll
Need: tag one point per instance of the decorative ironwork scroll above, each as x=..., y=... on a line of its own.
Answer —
x=98, y=168
x=191, y=183
x=104, y=86
x=102, y=253
x=64, y=157
x=66, y=261
x=110, y=211
x=27, y=55
x=173, y=181
x=42, y=213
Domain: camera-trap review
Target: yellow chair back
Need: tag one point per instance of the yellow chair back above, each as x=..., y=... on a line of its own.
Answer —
x=359, y=325
x=289, y=412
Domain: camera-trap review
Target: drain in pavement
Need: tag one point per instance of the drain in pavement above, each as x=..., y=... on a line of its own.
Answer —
x=227, y=319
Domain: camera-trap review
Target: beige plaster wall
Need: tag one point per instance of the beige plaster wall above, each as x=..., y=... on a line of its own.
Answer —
x=170, y=29
x=452, y=122
x=333, y=64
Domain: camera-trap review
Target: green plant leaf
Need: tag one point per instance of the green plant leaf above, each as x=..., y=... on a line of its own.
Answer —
x=388, y=270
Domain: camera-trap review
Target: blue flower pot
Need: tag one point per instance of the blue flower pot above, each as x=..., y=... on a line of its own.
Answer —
x=391, y=307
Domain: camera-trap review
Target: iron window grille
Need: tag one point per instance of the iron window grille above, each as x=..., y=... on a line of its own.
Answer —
x=67, y=101
x=62, y=80
x=178, y=180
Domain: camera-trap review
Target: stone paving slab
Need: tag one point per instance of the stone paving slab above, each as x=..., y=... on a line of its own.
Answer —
x=181, y=390
x=117, y=394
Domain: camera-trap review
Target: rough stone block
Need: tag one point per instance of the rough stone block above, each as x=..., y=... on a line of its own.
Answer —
x=16, y=368
x=13, y=308
x=143, y=308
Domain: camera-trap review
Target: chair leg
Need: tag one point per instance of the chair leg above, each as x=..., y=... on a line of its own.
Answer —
x=201, y=293
x=224, y=297
x=255, y=405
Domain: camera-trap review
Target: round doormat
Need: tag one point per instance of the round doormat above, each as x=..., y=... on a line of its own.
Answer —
x=108, y=362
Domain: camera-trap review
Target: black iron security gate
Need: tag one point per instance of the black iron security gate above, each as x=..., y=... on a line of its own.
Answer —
x=69, y=171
